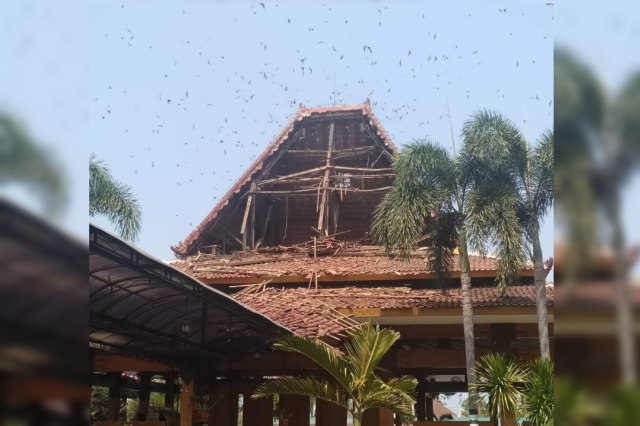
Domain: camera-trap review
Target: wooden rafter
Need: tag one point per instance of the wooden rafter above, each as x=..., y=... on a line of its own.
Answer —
x=325, y=182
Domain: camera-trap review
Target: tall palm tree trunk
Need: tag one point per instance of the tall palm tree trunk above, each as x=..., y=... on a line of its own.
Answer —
x=541, y=295
x=467, y=321
x=626, y=339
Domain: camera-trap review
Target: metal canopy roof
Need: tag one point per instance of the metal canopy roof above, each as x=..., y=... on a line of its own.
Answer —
x=141, y=306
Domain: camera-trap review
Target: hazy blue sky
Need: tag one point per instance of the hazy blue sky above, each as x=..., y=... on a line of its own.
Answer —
x=605, y=36
x=184, y=95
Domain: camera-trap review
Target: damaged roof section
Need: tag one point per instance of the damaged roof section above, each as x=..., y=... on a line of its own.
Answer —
x=354, y=264
x=323, y=173
x=318, y=312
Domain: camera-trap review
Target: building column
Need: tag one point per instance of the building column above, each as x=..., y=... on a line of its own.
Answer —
x=257, y=412
x=377, y=417
x=115, y=388
x=421, y=398
x=295, y=410
x=170, y=394
x=429, y=411
x=143, y=396
x=186, y=403
x=329, y=414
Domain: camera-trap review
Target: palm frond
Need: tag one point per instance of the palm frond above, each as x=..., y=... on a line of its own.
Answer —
x=113, y=199
x=308, y=386
x=443, y=235
x=384, y=396
x=537, y=398
x=498, y=376
x=326, y=357
x=23, y=161
x=628, y=123
x=399, y=221
x=365, y=348
x=425, y=181
x=492, y=214
x=492, y=145
x=424, y=167
x=541, y=175
x=405, y=385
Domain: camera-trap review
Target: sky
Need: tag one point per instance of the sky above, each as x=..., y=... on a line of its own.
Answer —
x=184, y=95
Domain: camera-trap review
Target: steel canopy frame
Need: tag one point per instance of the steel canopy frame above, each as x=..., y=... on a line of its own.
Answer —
x=138, y=306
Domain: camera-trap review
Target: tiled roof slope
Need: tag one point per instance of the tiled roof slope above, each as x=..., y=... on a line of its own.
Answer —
x=365, y=108
x=306, y=311
x=327, y=267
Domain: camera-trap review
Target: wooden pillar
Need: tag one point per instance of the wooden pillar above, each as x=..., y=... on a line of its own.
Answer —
x=115, y=388
x=143, y=396
x=429, y=411
x=257, y=412
x=421, y=399
x=186, y=403
x=170, y=395
x=377, y=417
x=329, y=414
x=295, y=410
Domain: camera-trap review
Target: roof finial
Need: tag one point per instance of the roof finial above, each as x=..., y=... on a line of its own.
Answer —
x=367, y=101
x=301, y=105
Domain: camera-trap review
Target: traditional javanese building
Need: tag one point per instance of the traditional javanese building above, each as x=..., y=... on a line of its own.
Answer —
x=291, y=242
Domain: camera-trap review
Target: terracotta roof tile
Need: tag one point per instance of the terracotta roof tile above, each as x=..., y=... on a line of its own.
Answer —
x=304, y=267
x=311, y=312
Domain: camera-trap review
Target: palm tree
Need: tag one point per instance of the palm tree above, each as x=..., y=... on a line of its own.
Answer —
x=511, y=175
x=499, y=377
x=352, y=383
x=598, y=154
x=537, y=395
x=22, y=160
x=113, y=199
x=429, y=198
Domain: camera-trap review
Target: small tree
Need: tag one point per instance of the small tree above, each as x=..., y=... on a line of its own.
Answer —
x=537, y=396
x=353, y=382
x=499, y=376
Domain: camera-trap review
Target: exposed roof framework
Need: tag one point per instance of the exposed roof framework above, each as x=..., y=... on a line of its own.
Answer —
x=324, y=173
x=140, y=306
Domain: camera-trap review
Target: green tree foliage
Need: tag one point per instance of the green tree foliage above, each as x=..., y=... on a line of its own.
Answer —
x=499, y=377
x=538, y=394
x=99, y=403
x=513, y=193
x=353, y=382
x=113, y=199
x=23, y=161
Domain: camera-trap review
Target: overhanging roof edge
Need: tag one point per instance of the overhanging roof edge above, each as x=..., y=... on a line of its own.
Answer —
x=248, y=314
